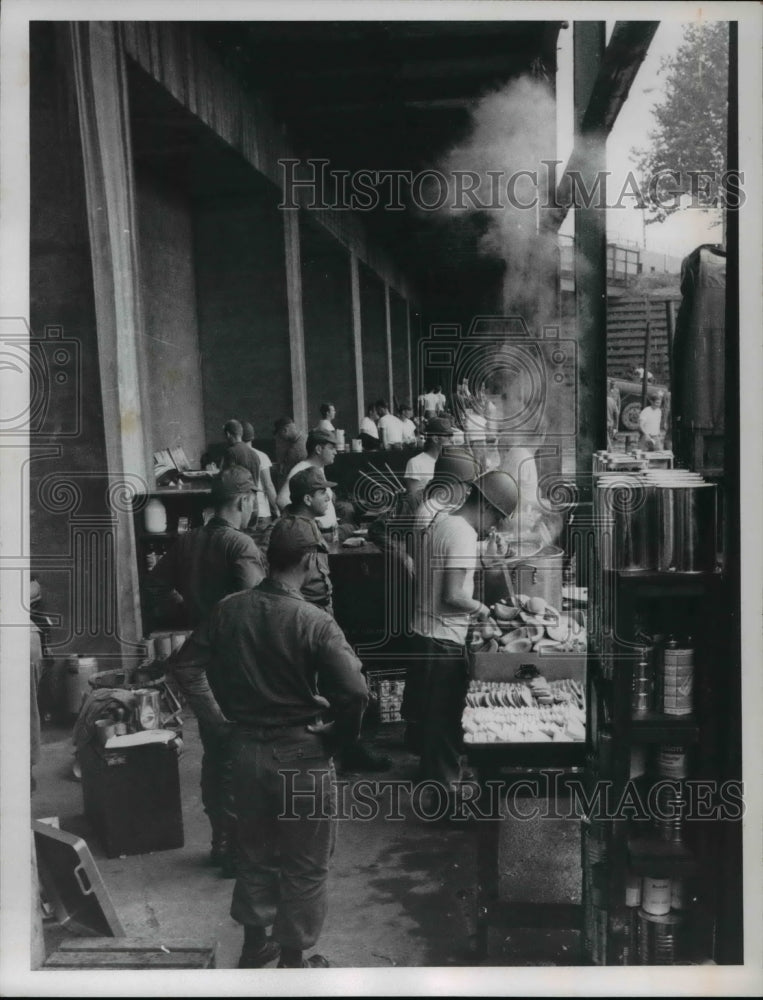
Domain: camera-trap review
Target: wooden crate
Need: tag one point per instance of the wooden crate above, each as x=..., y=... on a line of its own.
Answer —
x=131, y=953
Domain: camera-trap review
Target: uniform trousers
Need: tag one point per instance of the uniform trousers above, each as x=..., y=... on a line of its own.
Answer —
x=285, y=795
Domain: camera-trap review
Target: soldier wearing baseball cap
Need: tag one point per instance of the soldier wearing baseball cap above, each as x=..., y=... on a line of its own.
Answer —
x=310, y=497
x=276, y=676
x=321, y=452
x=310, y=493
x=420, y=468
x=203, y=566
x=308, y=482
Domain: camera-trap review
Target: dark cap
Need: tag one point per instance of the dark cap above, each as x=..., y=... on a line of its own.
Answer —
x=232, y=482
x=319, y=436
x=291, y=536
x=307, y=481
x=499, y=490
x=440, y=426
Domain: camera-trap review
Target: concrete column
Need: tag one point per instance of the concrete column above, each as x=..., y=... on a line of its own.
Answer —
x=357, y=333
x=590, y=257
x=296, y=319
x=388, y=329
x=410, y=364
x=102, y=102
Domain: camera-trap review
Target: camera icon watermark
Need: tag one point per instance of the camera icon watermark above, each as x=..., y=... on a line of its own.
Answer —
x=41, y=379
x=504, y=380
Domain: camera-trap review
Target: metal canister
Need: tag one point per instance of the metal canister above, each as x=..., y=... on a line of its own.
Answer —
x=655, y=895
x=677, y=680
x=669, y=820
x=672, y=762
x=657, y=937
x=686, y=525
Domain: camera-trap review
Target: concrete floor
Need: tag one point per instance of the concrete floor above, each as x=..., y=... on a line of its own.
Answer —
x=402, y=894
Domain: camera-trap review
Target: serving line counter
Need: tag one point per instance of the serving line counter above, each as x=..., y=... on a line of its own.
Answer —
x=526, y=712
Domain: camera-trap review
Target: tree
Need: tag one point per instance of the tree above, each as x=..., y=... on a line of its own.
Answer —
x=691, y=126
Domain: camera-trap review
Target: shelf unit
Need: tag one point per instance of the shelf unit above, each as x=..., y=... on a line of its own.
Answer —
x=625, y=844
x=189, y=502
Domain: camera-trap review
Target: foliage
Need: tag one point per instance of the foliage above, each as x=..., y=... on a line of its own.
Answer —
x=691, y=123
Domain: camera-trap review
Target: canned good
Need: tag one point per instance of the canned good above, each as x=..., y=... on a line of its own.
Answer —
x=655, y=895
x=672, y=762
x=677, y=680
x=670, y=824
x=632, y=890
x=657, y=937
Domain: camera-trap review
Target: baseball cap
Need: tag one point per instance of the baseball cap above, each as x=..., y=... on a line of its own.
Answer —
x=293, y=536
x=456, y=465
x=232, y=482
x=323, y=437
x=438, y=425
x=307, y=481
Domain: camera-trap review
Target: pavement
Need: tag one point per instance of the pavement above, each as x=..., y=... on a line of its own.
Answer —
x=402, y=893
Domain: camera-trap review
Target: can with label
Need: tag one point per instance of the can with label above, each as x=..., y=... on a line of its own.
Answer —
x=677, y=680
x=655, y=895
x=672, y=762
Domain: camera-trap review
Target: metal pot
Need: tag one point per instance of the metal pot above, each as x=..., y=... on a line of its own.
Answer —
x=686, y=526
x=540, y=576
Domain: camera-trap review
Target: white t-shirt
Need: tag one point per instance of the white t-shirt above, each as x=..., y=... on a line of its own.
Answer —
x=649, y=421
x=368, y=426
x=263, y=504
x=440, y=400
x=409, y=431
x=428, y=509
x=420, y=468
x=392, y=429
x=430, y=401
x=325, y=425
x=450, y=542
x=329, y=519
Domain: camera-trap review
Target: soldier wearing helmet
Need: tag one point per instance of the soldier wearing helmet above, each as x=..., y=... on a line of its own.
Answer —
x=446, y=556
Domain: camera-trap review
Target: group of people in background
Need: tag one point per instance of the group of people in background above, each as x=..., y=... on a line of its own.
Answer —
x=274, y=682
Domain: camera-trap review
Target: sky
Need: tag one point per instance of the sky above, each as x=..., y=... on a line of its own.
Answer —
x=687, y=228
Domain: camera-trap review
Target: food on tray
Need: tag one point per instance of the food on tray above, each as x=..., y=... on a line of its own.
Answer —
x=535, y=712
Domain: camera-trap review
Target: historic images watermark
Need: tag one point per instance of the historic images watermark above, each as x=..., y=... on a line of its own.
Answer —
x=312, y=184
x=550, y=794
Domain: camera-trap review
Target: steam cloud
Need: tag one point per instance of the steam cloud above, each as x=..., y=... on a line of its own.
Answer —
x=514, y=130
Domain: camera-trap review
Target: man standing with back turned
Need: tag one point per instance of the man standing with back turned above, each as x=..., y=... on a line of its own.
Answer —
x=202, y=567
x=267, y=652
